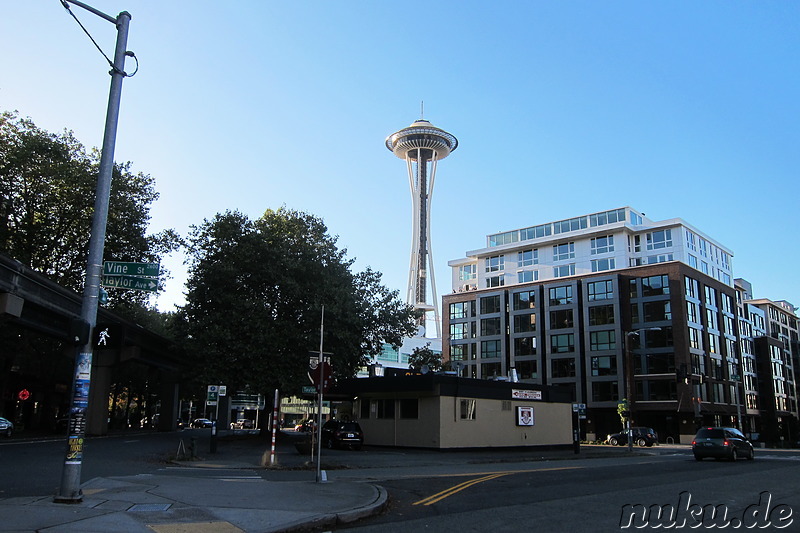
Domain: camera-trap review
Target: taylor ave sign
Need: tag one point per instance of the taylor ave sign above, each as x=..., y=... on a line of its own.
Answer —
x=130, y=282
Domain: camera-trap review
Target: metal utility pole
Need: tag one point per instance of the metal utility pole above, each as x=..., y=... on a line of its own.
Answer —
x=321, y=389
x=69, y=491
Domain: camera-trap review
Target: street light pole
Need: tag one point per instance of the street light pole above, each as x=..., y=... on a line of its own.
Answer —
x=629, y=369
x=69, y=491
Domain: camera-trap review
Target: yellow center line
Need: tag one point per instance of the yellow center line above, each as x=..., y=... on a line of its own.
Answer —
x=439, y=496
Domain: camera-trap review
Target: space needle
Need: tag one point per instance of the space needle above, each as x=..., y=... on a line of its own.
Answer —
x=422, y=145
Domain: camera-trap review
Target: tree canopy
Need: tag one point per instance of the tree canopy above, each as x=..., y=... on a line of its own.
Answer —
x=424, y=356
x=47, y=191
x=254, y=302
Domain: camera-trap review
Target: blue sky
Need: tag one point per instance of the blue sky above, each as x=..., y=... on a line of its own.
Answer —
x=678, y=109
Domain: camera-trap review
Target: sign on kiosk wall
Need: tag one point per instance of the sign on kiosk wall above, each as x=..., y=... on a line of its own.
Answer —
x=525, y=415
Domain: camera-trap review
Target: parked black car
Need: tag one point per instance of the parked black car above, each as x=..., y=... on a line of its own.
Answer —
x=721, y=443
x=337, y=433
x=642, y=436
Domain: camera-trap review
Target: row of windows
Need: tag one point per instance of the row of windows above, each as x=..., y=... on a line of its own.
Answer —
x=562, y=226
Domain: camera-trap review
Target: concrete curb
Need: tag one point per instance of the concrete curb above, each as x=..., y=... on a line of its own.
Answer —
x=376, y=507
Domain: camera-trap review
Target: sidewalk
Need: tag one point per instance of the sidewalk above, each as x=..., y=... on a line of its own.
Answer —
x=229, y=491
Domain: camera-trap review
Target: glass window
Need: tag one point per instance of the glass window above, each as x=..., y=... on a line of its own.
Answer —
x=467, y=272
x=527, y=369
x=691, y=287
x=711, y=296
x=692, y=313
x=467, y=409
x=659, y=239
x=495, y=263
x=602, y=340
x=605, y=391
x=564, y=270
x=694, y=338
x=660, y=363
x=459, y=310
x=604, y=365
x=490, y=326
x=563, y=368
x=564, y=251
x=713, y=343
x=495, y=281
x=490, y=304
x=659, y=338
x=524, y=323
x=561, y=295
x=573, y=224
x=711, y=319
x=525, y=346
x=602, y=245
x=409, y=408
x=561, y=318
x=526, y=276
x=458, y=352
x=459, y=331
x=600, y=290
x=490, y=349
x=655, y=285
x=491, y=370
x=524, y=300
x=562, y=343
x=383, y=408
x=601, y=314
x=527, y=258
x=657, y=311
x=600, y=265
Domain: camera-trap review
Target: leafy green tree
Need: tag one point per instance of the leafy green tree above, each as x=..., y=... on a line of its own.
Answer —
x=254, y=302
x=47, y=191
x=424, y=356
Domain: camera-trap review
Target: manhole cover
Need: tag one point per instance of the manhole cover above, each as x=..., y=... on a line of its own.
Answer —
x=149, y=507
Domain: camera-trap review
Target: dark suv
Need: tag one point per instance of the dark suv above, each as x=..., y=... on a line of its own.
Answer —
x=337, y=433
x=721, y=443
x=642, y=436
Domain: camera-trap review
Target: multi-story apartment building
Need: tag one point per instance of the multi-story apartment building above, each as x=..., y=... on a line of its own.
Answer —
x=609, y=305
x=777, y=357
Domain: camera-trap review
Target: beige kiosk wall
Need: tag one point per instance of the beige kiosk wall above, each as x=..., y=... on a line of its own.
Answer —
x=494, y=426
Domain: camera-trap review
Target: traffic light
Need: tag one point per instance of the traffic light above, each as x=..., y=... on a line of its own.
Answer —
x=102, y=296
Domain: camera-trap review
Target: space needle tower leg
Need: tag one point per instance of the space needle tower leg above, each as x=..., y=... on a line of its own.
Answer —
x=421, y=145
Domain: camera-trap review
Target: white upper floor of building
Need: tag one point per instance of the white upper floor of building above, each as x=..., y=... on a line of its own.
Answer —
x=597, y=242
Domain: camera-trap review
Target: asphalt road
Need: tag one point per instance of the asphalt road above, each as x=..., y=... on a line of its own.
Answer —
x=34, y=466
x=590, y=495
x=435, y=491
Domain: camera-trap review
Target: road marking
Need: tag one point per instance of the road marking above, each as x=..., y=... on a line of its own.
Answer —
x=430, y=500
x=439, y=496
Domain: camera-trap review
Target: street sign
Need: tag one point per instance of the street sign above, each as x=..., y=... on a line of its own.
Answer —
x=130, y=282
x=323, y=381
x=223, y=390
x=119, y=268
x=309, y=389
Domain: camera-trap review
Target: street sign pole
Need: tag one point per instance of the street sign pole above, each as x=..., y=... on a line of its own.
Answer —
x=319, y=404
x=69, y=489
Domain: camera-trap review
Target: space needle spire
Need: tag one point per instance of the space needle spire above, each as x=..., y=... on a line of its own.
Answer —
x=422, y=145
